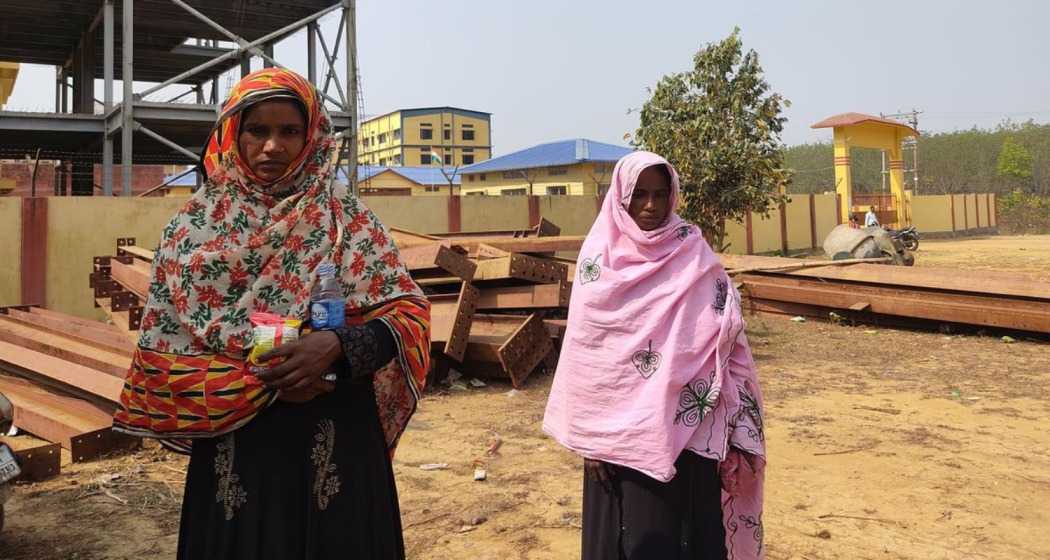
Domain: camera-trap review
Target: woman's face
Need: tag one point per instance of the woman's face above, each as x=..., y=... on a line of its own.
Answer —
x=273, y=133
x=651, y=199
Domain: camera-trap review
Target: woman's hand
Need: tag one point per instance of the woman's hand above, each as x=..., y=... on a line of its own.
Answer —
x=305, y=362
x=736, y=465
x=299, y=396
x=600, y=472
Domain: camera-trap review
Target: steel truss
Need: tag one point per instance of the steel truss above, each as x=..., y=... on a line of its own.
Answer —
x=162, y=122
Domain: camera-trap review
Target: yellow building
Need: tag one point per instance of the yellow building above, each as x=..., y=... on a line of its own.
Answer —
x=430, y=136
x=8, y=75
x=399, y=181
x=568, y=167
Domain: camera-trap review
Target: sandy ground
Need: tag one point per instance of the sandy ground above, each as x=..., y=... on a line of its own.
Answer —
x=883, y=444
x=1023, y=253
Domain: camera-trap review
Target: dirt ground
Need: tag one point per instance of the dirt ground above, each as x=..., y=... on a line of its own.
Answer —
x=884, y=444
x=1022, y=253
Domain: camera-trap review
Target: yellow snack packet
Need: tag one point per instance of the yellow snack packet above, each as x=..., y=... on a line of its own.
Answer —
x=270, y=331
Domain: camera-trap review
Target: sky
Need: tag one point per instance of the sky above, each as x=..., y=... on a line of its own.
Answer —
x=554, y=69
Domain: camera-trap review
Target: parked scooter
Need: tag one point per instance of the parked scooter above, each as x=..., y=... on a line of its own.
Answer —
x=9, y=469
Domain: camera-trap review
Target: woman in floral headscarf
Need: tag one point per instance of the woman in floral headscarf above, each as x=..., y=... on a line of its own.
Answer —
x=286, y=463
x=656, y=389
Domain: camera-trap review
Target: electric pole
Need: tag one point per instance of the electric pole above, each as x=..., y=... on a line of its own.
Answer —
x=912, y=144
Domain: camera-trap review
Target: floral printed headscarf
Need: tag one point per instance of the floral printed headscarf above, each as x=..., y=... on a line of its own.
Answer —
x=240, y=246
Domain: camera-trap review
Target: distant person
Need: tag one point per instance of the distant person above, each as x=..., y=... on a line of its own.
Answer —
x=656, y=388
x=285, y=463
x=870, y=219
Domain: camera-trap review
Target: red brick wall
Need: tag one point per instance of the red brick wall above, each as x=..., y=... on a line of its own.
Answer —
x=143, y=177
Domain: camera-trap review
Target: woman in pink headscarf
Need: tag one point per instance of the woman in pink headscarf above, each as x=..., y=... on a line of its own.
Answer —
x=656, y=388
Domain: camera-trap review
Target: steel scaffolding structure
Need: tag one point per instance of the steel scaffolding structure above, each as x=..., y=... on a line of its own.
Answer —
x=167, y=42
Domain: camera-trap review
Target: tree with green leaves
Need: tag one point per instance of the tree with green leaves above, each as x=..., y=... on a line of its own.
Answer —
x=1015, y=161
x=719, y=125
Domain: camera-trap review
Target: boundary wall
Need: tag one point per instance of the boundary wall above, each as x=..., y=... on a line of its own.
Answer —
x=49, y=241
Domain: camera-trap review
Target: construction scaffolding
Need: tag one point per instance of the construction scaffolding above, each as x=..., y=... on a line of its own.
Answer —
x=165, y=43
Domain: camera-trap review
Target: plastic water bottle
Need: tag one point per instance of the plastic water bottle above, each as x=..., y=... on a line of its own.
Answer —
x=327, y=306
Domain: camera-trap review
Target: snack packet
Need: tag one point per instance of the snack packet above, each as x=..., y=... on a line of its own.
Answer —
x=270, y=331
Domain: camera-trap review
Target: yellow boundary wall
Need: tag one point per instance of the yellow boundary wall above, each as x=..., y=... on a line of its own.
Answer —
x=415, y=213
x=81, y=228
x=932, y=213
x=10, y=251
x=799, y=231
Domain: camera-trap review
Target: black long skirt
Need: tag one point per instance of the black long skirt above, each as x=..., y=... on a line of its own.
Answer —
x=303, y=481
x=636, y=517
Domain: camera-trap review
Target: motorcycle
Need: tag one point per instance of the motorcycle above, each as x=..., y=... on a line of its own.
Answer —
x=9, y=469
x=909, y=237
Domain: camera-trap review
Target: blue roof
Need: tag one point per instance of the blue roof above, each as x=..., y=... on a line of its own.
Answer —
x=565, y=152
x=187, y=180
x=419, y=175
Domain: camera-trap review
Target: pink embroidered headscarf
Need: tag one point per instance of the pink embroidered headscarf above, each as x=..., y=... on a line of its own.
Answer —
x=655, y=360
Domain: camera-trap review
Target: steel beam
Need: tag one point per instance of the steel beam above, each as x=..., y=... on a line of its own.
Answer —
x=107, y=103
x=121, y=319
x=350, y=13
x=64, y=86
x=166, y=142
x=99, y=335
x=521, y=267
x=133, y=277
x=185, y=93
x=39, y=459
x=60, y=122
x=244, y=49
x=127, y=105
x=79, y=426
x=978, y=282
x=451, y=318
x=66, y=374
x=63, y=347
x=526, y=245
x=920, y=304
x=148, y=111
x=330, y=72
x=193, y=11
x=330, y=58
x=200, y=51
x=58, y=89
x=268, y=61
x=536, y=296
x=311, y=52
x=507, y=346
x=426, y=260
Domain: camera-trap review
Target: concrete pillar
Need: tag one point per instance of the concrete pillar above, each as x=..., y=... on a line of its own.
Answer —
x=843, y=175
x=896, y=165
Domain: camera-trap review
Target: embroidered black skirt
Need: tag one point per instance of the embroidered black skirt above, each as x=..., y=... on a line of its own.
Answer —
x=303, y=481
x=636, y=517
